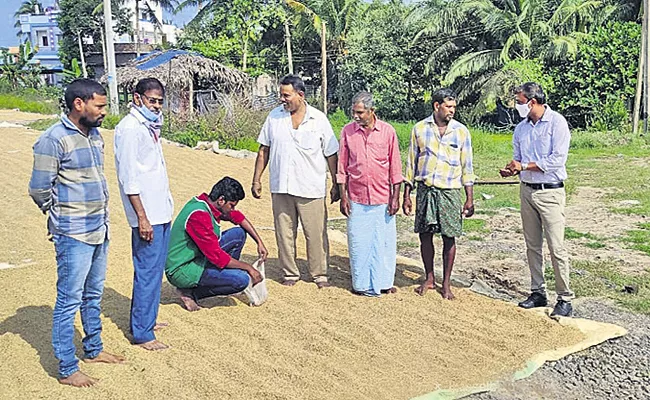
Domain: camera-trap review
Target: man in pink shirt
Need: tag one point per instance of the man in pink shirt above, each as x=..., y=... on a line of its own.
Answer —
x=370, y=175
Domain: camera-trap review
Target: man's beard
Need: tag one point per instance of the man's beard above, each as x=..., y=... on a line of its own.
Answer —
x=91, y=124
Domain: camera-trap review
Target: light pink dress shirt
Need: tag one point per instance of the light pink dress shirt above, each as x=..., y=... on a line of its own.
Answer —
x=369, y=163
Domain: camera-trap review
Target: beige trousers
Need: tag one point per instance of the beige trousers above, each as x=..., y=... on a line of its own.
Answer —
x=542, y=215
x=312, y=213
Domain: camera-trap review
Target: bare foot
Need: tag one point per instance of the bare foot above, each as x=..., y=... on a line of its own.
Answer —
x=160, y=325
x=424, y=287
x=106, y=358
x=189, y=303
x=322, y=285
x=389, y=291
x=447, y=294
x=78, y=379
x=153, y=345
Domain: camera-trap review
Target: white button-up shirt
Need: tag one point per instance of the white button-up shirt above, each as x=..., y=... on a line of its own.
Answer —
x=297, y=157
x=141, y=170
x=545, y=143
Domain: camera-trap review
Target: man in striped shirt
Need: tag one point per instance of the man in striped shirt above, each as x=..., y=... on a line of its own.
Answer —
x=68, y=184
x=440, y=161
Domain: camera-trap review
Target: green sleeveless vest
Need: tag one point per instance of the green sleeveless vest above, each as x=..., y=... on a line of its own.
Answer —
x=185, y=261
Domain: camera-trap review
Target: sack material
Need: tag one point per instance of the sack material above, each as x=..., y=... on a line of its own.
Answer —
x=258, y=294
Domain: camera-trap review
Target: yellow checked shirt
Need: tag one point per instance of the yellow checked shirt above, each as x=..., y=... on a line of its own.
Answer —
x=444, y=162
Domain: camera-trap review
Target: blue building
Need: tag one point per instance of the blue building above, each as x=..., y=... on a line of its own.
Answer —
x=42, y=31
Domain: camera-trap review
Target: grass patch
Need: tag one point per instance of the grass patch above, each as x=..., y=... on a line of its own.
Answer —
x=43, y=124
x=603, y=279
x=475, y=225
x=31, y=100
x=595, y=245
x=639, y=239
x=570, y=233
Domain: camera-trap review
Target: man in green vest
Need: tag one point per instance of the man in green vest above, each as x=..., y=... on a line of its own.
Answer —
x=203, y=261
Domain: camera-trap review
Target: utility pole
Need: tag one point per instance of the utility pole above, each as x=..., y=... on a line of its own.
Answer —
x=646, y=66
x=110, y=55
x=323, y=49
x=639, y=81
x=81, y=55
x=287, y=36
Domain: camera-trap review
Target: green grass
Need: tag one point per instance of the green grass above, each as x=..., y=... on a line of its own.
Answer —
x=570, y=233
x=475, y=225
x=639, y=239
x=26, y=104
x=43, y=124
x=604, y=279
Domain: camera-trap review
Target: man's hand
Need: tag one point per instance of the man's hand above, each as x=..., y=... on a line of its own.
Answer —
x=468, y=209
x=262, y=251
x=145, y=229
x=335, y=194
x=256, y=190
x=407, y=205
x=514, y=166
x=255, y=275
x=345, y=205
x=393, y=207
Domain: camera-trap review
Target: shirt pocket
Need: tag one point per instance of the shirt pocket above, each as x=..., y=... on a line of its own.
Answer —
x=452, y=154
x=379, y=151
x=309, y=140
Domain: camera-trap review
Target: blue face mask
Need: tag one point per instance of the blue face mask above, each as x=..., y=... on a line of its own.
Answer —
x=147, y=113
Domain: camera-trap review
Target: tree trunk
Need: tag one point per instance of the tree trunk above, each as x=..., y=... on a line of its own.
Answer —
x=137, y=28
x=323, y=48
x=81, y=54
x=287, y=36
x=243, y=62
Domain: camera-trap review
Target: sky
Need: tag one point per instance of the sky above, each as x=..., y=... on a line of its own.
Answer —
x=9, y=7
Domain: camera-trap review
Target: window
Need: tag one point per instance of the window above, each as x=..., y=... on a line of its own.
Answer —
x=42, y=38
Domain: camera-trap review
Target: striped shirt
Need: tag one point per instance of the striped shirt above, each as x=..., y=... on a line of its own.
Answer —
x=68, y=182
x=441, y=161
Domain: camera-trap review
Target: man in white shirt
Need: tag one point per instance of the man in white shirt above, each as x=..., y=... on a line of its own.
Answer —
x=298, y=142
x=147, y=200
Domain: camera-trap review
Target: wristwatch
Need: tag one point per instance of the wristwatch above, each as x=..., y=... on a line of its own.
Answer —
x=524, y=166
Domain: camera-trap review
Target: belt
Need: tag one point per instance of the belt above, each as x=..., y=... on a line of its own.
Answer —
x=542, y=186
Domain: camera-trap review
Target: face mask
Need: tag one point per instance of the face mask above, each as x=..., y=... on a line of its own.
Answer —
x=522, y=109
x=147, y=113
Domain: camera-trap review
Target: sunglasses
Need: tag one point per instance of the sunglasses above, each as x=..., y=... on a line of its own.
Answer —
x=153, y=100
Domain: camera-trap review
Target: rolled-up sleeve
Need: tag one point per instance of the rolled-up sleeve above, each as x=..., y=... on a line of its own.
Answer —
x=412, y=158
x=560, y=140
x=47, y=161
x=264, y=137
x=395, y=167
x=342, y=170
x=467, y=161
x=126, y=158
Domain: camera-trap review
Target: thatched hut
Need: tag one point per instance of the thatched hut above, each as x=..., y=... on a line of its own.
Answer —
x=187, y=77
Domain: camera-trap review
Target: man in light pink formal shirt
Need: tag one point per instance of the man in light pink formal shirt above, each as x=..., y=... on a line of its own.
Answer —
x=370, y=176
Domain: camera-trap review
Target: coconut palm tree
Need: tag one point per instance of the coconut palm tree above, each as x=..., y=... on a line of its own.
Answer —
x=27, y=7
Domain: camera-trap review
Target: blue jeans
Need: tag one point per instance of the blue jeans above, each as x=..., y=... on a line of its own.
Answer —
x=81, y=270
x=222, y=282
x=148, y=266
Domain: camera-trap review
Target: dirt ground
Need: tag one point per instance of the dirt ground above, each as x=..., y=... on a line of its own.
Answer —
x=304, y=343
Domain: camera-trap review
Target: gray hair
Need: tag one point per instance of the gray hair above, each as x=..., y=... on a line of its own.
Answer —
x=532, y=90
x=364, y=98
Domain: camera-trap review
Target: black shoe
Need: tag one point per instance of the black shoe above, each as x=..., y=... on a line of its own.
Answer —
x=562, y=309
x=534, y=300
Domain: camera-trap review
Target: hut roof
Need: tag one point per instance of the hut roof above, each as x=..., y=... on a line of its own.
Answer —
x=178, y=68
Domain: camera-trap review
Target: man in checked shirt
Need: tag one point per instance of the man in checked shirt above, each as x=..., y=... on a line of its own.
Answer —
x=440, y=161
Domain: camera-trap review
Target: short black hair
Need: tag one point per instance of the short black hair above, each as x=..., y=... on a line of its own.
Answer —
x=229, y=188
x=442, y=95
x=84, y=89
x=295, y=81
x=147, y=84
x=532, y=90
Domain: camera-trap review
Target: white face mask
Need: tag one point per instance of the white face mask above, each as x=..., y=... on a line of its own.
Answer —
x=522, y=109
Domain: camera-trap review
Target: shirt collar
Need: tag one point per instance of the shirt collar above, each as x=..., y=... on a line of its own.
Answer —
x=358, y=127
x=204, y=197
x=308, y=113
x=70, y=125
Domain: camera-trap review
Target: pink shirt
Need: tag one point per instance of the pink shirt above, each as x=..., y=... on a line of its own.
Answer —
x=369, y=163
